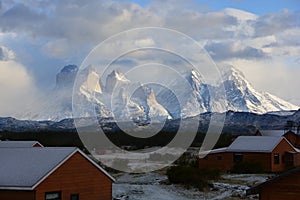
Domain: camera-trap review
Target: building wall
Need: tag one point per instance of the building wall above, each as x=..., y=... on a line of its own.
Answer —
x=226, y=163
x=263, y=158
x=286, y=188
x=291, y=137
x=16, y=195
x=77, y=176
x=281, y=148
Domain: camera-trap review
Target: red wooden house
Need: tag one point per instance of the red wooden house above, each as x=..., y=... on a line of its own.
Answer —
x=274, y=153
x=52, y=174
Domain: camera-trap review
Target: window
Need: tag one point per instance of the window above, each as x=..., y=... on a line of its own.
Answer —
x=237, y=157
x=219, y=158
x=53, y=195
x=276, y=158
x=74, y=197
x=282, y=159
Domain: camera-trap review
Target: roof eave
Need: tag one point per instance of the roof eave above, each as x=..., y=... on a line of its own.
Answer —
x=247, y=151
x=16, y=188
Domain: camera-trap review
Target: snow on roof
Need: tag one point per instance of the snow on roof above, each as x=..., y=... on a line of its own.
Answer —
x=219, y=150
x=273, y=133
x=18, y=144
x=24, y=167
x=254, y=144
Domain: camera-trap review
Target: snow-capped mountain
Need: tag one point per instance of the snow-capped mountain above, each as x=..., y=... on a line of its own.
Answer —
x=242, y=96
x=112, y=97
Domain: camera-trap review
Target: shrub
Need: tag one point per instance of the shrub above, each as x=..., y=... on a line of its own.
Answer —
x=191, y=176
x=246, y=167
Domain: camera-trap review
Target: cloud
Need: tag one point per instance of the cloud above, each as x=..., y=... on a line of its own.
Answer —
x=21, y=18
x=212, y=25
x=6, y=54
x=233, y=49
x=17, y=88
x=60, y=48
x=274, y=23
x=77, y=21
x=51, y=33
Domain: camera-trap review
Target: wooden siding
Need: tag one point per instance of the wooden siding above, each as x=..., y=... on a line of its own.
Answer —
x=263, y=158
x=77, y=176
x=16, y=195
x=281, y=148
x=286, y=188
x=225, y=164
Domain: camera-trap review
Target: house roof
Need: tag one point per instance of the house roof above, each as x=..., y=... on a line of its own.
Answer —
x=18, y=144
x=254, y=144
x=256, y=189
x=25, y=168
x=274, y=133
x=263, y=144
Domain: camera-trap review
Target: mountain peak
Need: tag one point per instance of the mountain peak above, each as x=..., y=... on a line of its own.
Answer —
x=66, y=76
x=118, y=75
x=115, y=78
x=152, y=97
x=242, y=96
x=230, y=72
x=69, y=69
x=92, y=83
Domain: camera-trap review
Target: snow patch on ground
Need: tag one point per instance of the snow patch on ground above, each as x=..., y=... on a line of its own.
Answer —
x=154, y=186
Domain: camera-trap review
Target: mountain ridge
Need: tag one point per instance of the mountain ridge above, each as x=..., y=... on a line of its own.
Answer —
x=241, y=97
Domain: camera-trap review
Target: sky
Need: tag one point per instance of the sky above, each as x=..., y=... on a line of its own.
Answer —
x=38, y=38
